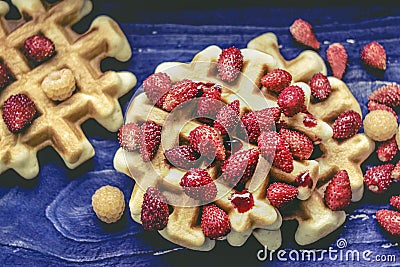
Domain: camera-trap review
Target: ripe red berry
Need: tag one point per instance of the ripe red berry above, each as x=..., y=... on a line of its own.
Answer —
x=395, y=202
x=129, y=136
x=347, y=125
x=156, y=86
x=374, y=55
x=389, y=220
x=378, y=178
x=154, y=214
x=320, y=86
x=292, y=100
x=302, y=32
x=207, y=142
x=215, y=222
x=230, y=63
x=280, y=194
x=276, y=80
x=38, y=48
x=180, y=92
x=338, y=192
x=388, y=95
x=18, y=112
x=184, y=157
x=150, y=139
x=227, y=117
x=5, y=75
x=300, y=145
x=198, y=184
x=336, y=56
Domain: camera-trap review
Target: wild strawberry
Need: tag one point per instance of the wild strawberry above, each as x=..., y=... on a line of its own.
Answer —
x=180, y=92
x=38, y=48
x=280, y=194
x=346, y=125
x=150, y=139
x=388, y=95
x=300, y=145
x=184, y=157
x=227, y=117
x=18, y=112
x=210, y=101
x=276, y=80
x=260, y=120
x=373, y=105
x=198, y=184
x=156, y=86
x=374, y=55
x=320, y=86
x=291, y=100
x=396, y=171
x=154, y=214
x=378, y=178
x=337, y=57
x=240, y=166
x=304, y=180
x=242, y=200
x=272, y=144
x=5, y=75
x=395, y=202
x=387, y=150
x=302, y=32
x=129, y=136
x=215, y=222
x=338, y=192
x=230, y=62
x=389, y=220
x=206, y=141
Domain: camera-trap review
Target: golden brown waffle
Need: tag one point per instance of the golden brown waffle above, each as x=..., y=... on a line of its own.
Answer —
x=96, y=94
x=263, y=220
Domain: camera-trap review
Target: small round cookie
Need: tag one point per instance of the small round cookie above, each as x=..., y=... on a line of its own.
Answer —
x=380, y=125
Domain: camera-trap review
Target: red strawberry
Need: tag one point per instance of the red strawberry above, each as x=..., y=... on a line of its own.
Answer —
x=206, y=141
x=240, y=166
x=374, y=55
x=336, y=56
x=150, y=139
x=291, y=100
x=388, y=95
x=180, y=92
x=304, y=180
x=18, y=112
x=346, y=125
x=242, y=200
x=215, y=222
x=300, y=145
x=338, y=192
x=38, y=48
x=378, y=178
x=184, y=157
x=210, y=102
x=320, y=86
x=276, y=80
x=129, y=136
x=156, y=86
x=387, y=150
x=396, y=171
x=395, y=202
x=154, y=214
x=264, y=119
x=198, y=184
x=373, y=105
x=280, y=194
x=303, y=33
x=230, y=62
x=5, y=76
x=272, y=144
x=389, y=220
x=227, y=117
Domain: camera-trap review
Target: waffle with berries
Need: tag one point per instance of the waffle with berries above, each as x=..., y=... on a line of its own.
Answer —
x=51, y=82
x=282, y=145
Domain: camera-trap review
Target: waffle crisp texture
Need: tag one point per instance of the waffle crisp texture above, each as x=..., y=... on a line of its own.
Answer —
x=264, y=221
x=96, y=92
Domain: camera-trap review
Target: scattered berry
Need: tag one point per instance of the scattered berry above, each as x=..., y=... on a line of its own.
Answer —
x=389, y=220
x=198, y=184
x=395, y=202
x=374, y=55
x=272, y=145
x=302, y=32
x=291, y=100
x=210, y=102
x=373, y=105
x=378, y=178
x=156, y=86
x=5, y=75
x=396, y=171
x=336, y=56
x=388, y=95
x=184, y=157
x=304, y=180
x=129, y=136
x=206, y=141
x=260, y=120
x=108, y=203
x=320, y=86
x=240, y=166
x=154, y=214
x=338, y=194
x=150, y=139
x=243, y=201
x=215, y=222
x=387, y=150
x=180, y=92
x=380, y=125
x=276, y=80
x=347, y=125
x=227, y=117
x=230, y=62
x=300, y=145
x=38, y=48
x=280, y=194
x=18, y=112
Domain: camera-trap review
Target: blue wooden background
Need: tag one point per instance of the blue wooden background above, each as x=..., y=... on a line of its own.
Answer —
x=48, y=221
